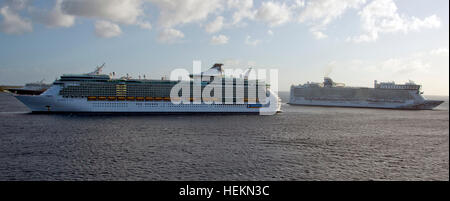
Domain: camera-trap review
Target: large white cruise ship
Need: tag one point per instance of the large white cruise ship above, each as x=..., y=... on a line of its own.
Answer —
x=96, y=92
x=383, y=95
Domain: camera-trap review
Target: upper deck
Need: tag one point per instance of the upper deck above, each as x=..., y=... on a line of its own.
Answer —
x=329, y=83
x=391, y=85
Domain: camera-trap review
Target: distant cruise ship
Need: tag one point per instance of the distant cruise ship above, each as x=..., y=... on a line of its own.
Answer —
x=96, y=92
x=383, y=95
x=35, y=88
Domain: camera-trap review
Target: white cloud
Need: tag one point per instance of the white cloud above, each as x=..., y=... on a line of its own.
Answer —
x=219, y=40
x=299, y=4
x=53, y=18
x=319, y=13
x=16, y=4
x=244, y=10
x=119, y=11
x=12, y=23
x=429, y=22
x=174, y=12
x=215, y=25
x=427, y=67
x=440, y=51
x=325, y=11
x=144, y=25
x=405, y=65
x=105, y=29
x=415, y=63
x=270, y=32
x=64, y=13
x=381, y=16
x=318, y=34
x=273, y=13
x=252, y=42
x=170, y=35
x=377, y=16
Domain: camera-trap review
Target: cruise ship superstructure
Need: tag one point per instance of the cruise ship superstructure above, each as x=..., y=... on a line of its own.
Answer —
x=97, y=92
x=383, y=95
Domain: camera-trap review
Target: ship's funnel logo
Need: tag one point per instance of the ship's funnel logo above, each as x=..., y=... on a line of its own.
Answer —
x=224, y=86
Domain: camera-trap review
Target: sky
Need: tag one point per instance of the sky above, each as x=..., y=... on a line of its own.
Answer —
x=352, y=41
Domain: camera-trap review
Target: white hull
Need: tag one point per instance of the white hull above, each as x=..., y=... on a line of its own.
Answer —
x=46, y=103
x=423, y=105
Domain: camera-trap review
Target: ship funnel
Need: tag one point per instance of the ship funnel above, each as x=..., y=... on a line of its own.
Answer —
x=328, y=82
x=218, y=67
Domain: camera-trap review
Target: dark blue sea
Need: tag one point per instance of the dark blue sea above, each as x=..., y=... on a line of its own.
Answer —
x=302, y=143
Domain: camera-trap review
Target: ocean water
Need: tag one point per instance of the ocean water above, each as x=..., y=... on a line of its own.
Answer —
x=302, y=143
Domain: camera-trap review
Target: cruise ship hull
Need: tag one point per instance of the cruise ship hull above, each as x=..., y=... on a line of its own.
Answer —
x=426, y=105
x=52, y=104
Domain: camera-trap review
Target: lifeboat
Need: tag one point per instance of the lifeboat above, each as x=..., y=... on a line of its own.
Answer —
x=254, y=105
x=92, y=98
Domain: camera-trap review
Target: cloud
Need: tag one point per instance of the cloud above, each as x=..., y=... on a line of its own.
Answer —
x=381, y=16
x=53, y=18
x=108, y=13
x=13, y=23
x=377, y=17
x=244, y=10
x=299, y=4
x=405, y=65
x=415, y=63
x=426, y=67
x=215, y=25
x=170, y=35
x=252, y=42
x=319, y=13
x=16, y=4
x=219, y=40
x=119, y=11
x=440, y=51
x=273, y=13
x=318, y=34
x=144, y=25
x=105, y=29
x=174, y=12
x=270, y=32
x=325, y=11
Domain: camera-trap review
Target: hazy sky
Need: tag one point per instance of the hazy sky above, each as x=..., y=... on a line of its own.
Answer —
x=352, y=41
